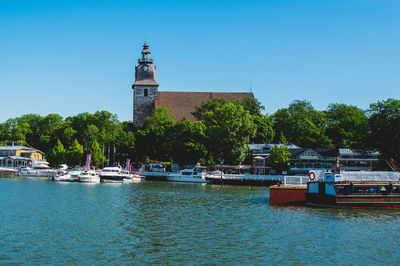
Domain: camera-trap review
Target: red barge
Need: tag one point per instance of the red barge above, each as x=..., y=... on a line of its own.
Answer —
x=291, y=190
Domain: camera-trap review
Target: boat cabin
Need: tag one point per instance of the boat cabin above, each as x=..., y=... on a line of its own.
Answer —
x=333, y=190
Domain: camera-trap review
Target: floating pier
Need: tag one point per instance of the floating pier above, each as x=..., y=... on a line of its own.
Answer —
x=7, y=172
x=244, y=179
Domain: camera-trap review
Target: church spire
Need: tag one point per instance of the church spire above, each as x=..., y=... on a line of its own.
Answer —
x=145, y=72
x=146, y=52
x=145, y=87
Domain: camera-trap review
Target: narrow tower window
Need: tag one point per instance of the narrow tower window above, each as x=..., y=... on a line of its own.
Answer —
x=146, y=92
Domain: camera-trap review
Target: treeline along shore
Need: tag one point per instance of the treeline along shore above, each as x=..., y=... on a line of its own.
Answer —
x=220, y=136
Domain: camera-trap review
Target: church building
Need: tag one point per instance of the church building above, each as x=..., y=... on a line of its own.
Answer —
x=146, y=96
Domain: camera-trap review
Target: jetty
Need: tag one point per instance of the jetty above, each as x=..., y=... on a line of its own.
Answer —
x=7, y=172
x=243, y=179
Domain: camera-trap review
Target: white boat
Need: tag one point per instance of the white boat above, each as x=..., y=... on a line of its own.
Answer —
x=112, y=174
x=195, y=175
x=64, y=176
x=132, y=178
x=76, y=171
x=154, y=172
x=89, y=176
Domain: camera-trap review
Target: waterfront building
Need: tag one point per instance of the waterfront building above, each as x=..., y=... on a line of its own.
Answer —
x=261, y=154
x=351, y=160
x=305, y=159
x=21, y=156
x=146, y=96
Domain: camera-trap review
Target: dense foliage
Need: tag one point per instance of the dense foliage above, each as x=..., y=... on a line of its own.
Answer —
x=220, y=136
x=69, y=140
x=384, y=125
x=279, y=158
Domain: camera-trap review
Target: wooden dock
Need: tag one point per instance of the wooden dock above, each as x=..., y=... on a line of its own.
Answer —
x=244, y=179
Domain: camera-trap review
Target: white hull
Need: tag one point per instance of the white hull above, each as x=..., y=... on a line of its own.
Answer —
x=132, y=180
x=111, y=181
x=187, y=179
x=195, y=175
x=65, y=179
x=89, y=179
x=89, y=176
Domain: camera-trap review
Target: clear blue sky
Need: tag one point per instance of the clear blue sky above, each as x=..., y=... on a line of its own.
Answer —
x=69, y=57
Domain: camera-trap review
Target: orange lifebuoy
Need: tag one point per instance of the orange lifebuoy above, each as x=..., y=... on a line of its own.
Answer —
x=311, y=175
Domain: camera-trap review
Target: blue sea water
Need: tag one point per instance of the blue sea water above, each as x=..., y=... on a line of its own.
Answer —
x=153, y=222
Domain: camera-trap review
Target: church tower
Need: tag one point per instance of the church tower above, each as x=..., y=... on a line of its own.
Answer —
x=145, y=88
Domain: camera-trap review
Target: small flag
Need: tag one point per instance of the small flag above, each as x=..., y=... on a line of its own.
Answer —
x=88, y=158
x=128, y=164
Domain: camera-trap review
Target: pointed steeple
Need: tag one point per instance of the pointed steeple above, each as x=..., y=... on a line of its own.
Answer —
x=145, y=72
x=145, y=52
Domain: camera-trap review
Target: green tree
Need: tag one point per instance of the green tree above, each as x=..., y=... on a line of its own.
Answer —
x=18, y=130
x=280, y=158
x=47, y=131
x=282, y=139
x=4, y=133
x=67, y=134
x=262, y=122
x=347, y=125
x=96, y=152
x=154, y=139
x=264, y=127
x=302, y=124
x=125, y=142
x=209, y=106
x=74, y=154
x=384, y=125
x=228, y=130
x=56, y=156
x=252, y=105
x=188, y=142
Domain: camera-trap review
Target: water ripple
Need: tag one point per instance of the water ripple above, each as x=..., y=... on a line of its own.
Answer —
x=148, y=223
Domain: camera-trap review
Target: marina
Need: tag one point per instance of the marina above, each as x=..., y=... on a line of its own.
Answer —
x=319, y=188
x=158, y=223
x=214, y=133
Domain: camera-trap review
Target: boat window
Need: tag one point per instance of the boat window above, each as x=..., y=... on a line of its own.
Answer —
x=358, y=190
x=396, y=190
x=340, y=190
x=186, y=173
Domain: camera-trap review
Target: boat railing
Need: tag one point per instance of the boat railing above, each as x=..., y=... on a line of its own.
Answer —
x=368, y=176
x=295, y=180
x=37, y=173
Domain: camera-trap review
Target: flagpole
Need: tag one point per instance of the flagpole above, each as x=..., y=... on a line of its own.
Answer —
x=103, y=158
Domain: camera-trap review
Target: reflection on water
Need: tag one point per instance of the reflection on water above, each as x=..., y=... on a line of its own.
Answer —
x=155, y=222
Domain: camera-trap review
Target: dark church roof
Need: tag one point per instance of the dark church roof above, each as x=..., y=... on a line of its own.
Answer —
x=182, y=103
